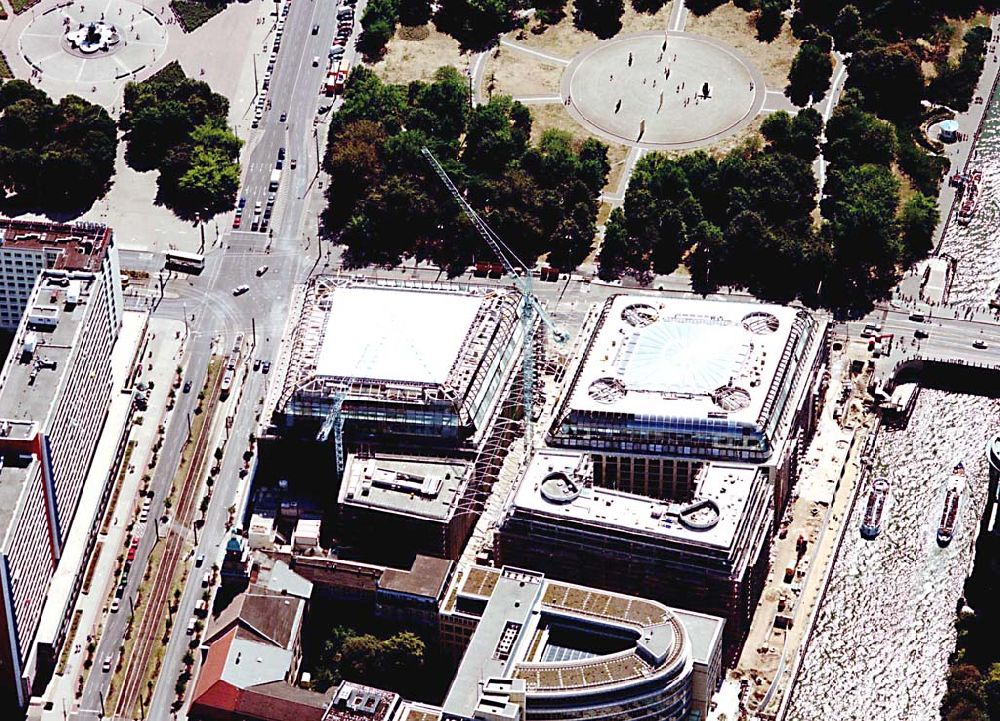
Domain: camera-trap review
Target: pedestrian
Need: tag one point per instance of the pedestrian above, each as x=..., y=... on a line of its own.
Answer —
x=630, y=59
x=618, y=106
x=751, y=86
x=611, y=78
x=644, y=81
x=654, y=82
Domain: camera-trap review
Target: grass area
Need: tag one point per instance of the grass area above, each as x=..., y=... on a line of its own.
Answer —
x=163, y=630
x=564, y=40
x=92, y=567
x=109, y=512
x=5, y=72
x=192, y=14
x=735, y=27
x=512, y=73
x=19, y=6
x=68, y=643
x=407, y=58
x=960, y=26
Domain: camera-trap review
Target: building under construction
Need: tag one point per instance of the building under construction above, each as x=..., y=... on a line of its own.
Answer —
x=417, y=366
x=422, y=382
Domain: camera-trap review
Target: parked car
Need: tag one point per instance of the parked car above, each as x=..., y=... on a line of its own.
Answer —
x=261, y=270
x=106, y=666
x=266, y=367
x=315, y=29
x=199, y=559
x=240, y=289
x=979, y=343
x=284, y=117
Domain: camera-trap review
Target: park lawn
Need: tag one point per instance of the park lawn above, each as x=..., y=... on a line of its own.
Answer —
x=19, y=6
x=516, y=74
x=5, y=72
x=564, y=40
x=735, y=27
x=962, y=26
x=193, y=14
x=406, y=59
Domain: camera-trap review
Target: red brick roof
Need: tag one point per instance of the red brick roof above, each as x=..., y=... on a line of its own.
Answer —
x=211, y=692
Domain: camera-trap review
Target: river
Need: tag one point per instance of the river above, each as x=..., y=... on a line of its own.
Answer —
x=885, y=629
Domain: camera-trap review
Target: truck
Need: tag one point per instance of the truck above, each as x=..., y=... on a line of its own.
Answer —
x=331, y=83
x=275, y=179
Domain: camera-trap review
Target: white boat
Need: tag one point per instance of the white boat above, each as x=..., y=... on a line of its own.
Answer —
x=878, y=494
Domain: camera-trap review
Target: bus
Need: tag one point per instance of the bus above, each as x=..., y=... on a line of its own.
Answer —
x=185, y=262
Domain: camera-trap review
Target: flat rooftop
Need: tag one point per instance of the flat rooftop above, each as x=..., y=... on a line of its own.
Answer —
x=395, y=335
x=428, y=488
x=682, y=358
x=405, y=343
x=30, y=381
x=81, y=246
x=558, y=484
x=427, y=577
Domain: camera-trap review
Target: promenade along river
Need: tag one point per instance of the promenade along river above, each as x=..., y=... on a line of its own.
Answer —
x=885, y=629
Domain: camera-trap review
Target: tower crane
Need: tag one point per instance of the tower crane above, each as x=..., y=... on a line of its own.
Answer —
x=521, y=273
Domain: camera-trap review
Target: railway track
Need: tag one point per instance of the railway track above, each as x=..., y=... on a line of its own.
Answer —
x=147, y=638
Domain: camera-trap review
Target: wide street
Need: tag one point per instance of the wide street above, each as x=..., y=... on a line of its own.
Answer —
x=213, y=314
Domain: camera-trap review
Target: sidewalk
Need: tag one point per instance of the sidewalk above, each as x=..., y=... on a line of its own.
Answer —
x=164, y=347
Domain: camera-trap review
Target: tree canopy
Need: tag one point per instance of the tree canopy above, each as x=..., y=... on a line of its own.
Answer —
x=177, y=125
x=53, y=157
x=385, y=203
x=395, y=662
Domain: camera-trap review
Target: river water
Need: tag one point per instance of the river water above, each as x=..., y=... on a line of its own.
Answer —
x=884, y=632
x=976, y=246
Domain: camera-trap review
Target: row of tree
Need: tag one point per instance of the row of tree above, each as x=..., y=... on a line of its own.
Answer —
x=53, y=157
x=386, y=204
x=746, y=220
x=177, y=125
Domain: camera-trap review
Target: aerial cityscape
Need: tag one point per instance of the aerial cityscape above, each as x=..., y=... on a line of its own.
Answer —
x=498, y=360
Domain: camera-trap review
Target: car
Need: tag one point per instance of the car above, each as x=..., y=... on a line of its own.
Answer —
x=242, y=203
x=256, y=206
x=190, y=627
x=134, y=543
x=237, y=221
x=267, y=214
x=115, y=605
x=261, y=270
x=337, y=50
x=345, y=13
x=240, y=289
x=284, y=117
x=340, y=40
x=281, y=152
x=131, y=554
x=979, y=343
x=294, y=163
x=120, y=591
x=187, y=386
x=345, y=25
x=343, y=32
x=315, y=61
x=280, y=164
x=315, y=29
x=199, y=559
x=106, y=666
x=266, y=367
x=270, y=199
x=255, y=123
x=264, y=222
x=124, y=578
x=256, y=364
x=920, y=333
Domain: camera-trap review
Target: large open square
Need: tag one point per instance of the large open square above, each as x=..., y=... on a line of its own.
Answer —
x=648, y=89
x=139, y=40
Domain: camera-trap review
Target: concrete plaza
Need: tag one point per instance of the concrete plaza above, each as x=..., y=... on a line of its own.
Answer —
x=647, y=90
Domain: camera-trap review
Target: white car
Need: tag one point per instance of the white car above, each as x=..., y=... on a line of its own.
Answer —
x=261, y=270
x=980, y=344
x=240, y=289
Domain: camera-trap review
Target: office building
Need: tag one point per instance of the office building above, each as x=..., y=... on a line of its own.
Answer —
x=707, y=552
x=392, y=507
x=55, y=389
x=538, y=649
x=662, y=382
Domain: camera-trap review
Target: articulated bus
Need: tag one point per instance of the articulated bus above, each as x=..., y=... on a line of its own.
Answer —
x=185, y=262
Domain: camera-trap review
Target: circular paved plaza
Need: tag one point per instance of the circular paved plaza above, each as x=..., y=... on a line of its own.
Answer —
x=140, y=39
x=647, y=89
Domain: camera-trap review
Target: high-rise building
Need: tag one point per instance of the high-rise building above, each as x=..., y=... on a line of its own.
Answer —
x=54, y=392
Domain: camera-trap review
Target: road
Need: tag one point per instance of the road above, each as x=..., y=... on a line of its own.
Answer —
x=213, y=314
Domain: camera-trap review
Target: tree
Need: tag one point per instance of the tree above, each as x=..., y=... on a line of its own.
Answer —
x=889, y=79
x=846, y=28
x=991, y=690
x=707, y=247
x=414, y=12
x=377, y=27
x=601, y=17
x=474, y=23
x=493, y=137
x=855, y=137
x=809, y=77
x=770, y=19
x=918, y=220
x=441, y=107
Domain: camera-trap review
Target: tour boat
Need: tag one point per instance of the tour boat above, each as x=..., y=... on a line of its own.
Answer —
x=878, y=494
x=949, y=514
